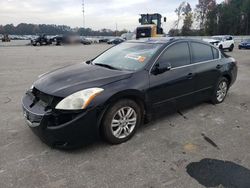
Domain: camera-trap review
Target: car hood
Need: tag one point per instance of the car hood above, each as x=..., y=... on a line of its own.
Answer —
x=211, y=40
x=68, y=80
x=245, y=42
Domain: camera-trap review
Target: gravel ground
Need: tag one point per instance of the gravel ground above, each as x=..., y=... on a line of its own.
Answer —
x=179, y=150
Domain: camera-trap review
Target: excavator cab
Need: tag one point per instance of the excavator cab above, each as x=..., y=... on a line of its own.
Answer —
x=151, y=26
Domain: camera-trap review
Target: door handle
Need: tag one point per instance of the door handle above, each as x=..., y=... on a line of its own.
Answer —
x=218, y=66
x=190, y=75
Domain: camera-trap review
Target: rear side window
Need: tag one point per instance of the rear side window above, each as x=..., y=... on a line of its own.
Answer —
x=201, y=52
x=177, y=55
x=215, y=53
x=229, y=38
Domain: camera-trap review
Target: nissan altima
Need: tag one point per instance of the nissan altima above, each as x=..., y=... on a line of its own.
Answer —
x=111, y=95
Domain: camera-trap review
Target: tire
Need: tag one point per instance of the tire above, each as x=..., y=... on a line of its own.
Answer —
x=116, y=129
x=221, y=87
x=231, y=48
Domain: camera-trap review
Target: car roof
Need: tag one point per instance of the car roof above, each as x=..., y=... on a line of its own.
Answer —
x=222, y=36
x=164, y=40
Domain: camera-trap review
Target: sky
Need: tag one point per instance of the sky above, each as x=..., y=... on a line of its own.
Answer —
x=98, y=13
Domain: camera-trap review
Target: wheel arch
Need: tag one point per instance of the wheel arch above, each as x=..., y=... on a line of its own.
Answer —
x=131, y=94
x=228, y=77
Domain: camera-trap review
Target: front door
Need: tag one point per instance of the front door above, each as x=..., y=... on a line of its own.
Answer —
x=176, y=82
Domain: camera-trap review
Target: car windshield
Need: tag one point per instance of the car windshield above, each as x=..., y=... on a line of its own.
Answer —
x=217, y=38
x=247, y=40
x=127, y=56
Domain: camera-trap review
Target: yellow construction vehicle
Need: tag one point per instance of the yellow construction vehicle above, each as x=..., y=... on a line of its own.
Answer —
x=151, y=26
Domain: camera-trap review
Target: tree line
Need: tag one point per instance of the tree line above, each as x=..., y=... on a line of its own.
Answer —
x=209, y=18
x=36, y=29
x=206, y=18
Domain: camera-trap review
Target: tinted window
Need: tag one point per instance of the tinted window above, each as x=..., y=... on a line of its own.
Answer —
x=201, y=52
x=177, y=55
x=216, y=53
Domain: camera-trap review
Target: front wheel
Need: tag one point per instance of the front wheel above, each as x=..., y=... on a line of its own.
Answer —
x=121, y=121
x=220, y=91
x=231, y=48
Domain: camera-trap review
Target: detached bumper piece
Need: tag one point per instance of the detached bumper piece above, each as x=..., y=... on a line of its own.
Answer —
x=60, y=129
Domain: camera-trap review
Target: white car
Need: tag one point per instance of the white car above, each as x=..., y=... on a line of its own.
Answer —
x=223, y=42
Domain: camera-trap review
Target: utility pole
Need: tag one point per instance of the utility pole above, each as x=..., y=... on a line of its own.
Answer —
x=247, y=20
x=83, y=14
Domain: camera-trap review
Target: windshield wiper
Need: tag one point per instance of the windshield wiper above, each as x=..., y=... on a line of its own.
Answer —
x=106, y=66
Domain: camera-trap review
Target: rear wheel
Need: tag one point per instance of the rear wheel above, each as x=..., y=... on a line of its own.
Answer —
x=220, y=91
x=121, y=121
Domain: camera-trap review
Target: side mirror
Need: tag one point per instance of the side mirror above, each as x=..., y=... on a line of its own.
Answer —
x=165, y=19
x=161, y=68
x=88, y=62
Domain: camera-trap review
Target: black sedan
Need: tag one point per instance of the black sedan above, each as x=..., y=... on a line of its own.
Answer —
x=245, y=44
x=41, y=40
x=111, y=95
x=116, y=41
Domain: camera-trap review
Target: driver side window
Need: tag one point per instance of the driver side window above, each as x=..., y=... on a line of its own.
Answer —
x=176, y=55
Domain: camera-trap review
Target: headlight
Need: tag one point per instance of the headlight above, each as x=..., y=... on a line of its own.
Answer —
x=32, y=87
x=79, y=100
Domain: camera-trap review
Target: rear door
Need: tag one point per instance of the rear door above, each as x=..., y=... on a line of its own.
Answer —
x=228, y=41
x=176, y=82
x=206, y=66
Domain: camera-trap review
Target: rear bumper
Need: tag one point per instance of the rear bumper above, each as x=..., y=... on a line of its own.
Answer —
x=61, y=129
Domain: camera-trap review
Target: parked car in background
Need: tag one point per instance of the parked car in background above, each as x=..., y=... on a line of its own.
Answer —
x=116, y=41
x=86, y=41
x=5, y=38
x=223, y=42
x=128, y=36
x=112, y=94
x=41, y=40
x=245, y=44
x=67, y=39
x=103, y=40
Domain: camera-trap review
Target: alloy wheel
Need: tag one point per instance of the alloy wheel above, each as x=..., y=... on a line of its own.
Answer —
x=123, y=122
x=222, y=91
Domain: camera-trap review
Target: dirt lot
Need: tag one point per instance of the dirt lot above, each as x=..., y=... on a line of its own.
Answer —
x=164, y=153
